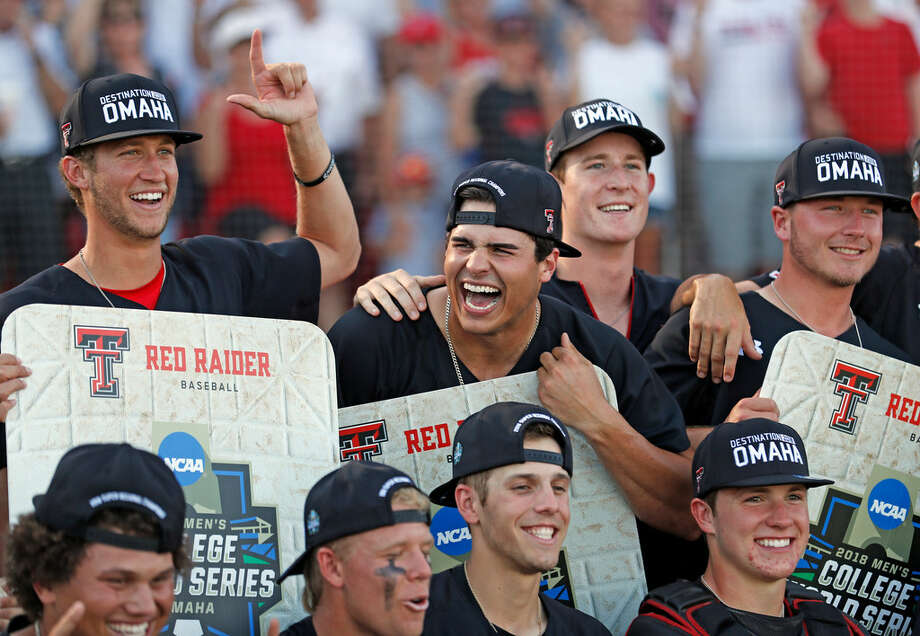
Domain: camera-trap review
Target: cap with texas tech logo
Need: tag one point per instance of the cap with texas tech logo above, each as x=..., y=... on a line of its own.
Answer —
x=118, y=106
x=93, y=477
x=494, y=437
x=351, y=499
x=587, y=120
x=526, y=199
x=832, y=167
x=755, y=452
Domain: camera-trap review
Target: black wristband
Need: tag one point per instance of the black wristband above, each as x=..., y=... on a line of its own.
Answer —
x=322, y=177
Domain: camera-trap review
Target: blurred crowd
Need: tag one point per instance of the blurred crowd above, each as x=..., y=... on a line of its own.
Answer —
x=411, y=92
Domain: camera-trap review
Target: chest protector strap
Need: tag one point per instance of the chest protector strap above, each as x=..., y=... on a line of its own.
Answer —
x=696, y=610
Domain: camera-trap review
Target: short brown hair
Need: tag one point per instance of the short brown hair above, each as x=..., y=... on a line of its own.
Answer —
x=86, y=155
x=36, y=553
x=408, y=497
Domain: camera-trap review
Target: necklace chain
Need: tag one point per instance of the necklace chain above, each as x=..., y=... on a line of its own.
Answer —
x=450, y=343
x=709, y=587
x=466, y=573
x=93, y=278
x=796, y=315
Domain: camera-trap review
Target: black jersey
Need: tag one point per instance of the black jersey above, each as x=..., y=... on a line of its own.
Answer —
x=706, y=403
x=453, y=610
x=205, y=274
x=888, y=297
x=378, y=359
x=687, y=607
x=650, y=305
x=301, y=628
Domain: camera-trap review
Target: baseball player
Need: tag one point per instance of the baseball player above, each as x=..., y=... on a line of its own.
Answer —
x=512, y=465
x=889, y=296
x=601, y=154
x=366, y=559
x=100, y=552
x=118, y=137
x=829, y=196
x=504, y=241
x=754, y=515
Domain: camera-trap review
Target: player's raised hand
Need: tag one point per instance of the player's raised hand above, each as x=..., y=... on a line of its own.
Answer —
x=400, y=286
x=12, y=373
x=274, y=627
x=283, y=93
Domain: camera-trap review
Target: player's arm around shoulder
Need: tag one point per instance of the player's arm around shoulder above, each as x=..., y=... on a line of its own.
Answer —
x=325, y=214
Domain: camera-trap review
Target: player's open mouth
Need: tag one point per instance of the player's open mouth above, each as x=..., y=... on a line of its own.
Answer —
x=543, y=533
x=129, y=629
x=615, y=208
x=848, y=251
x=774, y=543
x=147, y=198
x=418, y=604
x=480, y=298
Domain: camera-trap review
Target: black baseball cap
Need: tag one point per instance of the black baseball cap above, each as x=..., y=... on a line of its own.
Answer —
x=832, y=167
x=526, y=199
x=494, y=437
x=351, y=499
x=118, y=106
x=755, y=452
x=93, y=477
x=587, y=120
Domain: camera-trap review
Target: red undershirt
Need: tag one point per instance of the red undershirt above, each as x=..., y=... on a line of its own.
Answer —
x=146, y=295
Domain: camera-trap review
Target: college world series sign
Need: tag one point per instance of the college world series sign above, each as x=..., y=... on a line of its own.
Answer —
x=600, y=569
x=242, y=410
x=859, y=415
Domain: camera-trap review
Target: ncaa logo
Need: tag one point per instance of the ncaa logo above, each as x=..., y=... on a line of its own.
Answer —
x=450, y=532
x=184, y=456
x=888, y=504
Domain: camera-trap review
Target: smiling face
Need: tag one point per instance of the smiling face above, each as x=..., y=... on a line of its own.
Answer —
x=605, y=189
x=836, y=239
x=492, y=276
x=385, y=575
x=758, y=532
x=524, y=520
x=127, y=592
x=132, y=185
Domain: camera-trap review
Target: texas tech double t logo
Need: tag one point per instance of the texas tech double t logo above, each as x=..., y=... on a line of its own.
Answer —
x=103, y=346
x=362, y=441
x=854, y=385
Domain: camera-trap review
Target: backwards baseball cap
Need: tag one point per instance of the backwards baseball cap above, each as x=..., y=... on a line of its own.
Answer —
x=832, y=167
x=351, y=499
x=118, y=106
x=587, y=120
x=494, y=437
x=526, y=199
x=755, y=452
x=94, y=477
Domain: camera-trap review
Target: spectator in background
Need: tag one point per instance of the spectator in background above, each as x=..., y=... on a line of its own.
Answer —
x=861, y=74
x=242, y=160
x=415, y=111
x=34, y=85
x=343, y=72
x=407, y=231
x=505, y=115
x=740, y=59
x=471, y=33
x=624, y=65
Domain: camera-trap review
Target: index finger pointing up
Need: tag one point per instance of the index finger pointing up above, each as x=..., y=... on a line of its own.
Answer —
x=256, y=61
